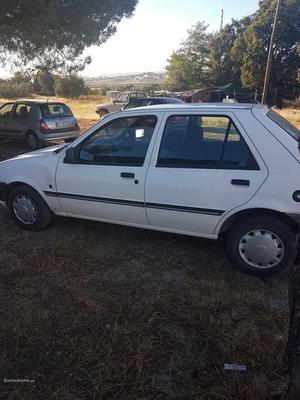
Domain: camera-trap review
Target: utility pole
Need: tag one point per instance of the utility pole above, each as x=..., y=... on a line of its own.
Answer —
x=270, y=55
x=222, y=19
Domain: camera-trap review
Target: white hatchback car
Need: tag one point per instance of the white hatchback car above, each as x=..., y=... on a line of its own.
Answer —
x=203, y=170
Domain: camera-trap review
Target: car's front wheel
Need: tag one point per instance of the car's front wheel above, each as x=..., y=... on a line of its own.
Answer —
x=261, y=245
x=28, y=208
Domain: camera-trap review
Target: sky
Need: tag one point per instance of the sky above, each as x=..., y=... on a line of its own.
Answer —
x=144, y=42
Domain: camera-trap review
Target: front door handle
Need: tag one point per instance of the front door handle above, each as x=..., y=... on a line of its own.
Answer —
x=129, y=175
x=241, y=182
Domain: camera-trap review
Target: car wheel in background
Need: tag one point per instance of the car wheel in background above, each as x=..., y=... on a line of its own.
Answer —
x=32, y=141
x=28, y=208
x=103, y=113
x=261, y=245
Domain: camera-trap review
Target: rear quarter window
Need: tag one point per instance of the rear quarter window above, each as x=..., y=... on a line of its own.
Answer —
x=284, y=124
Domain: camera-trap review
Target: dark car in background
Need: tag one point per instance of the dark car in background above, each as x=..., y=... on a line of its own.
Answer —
x=37, y=121
x=150, y=101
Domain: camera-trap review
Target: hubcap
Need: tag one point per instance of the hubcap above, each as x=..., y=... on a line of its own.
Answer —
x=261, y=249
x=25, y=209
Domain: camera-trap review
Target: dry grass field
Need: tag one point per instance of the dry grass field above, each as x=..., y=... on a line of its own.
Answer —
x=95, y=311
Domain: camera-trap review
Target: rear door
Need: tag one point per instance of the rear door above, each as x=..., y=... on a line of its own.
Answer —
x=19, y=120
x=204, y=166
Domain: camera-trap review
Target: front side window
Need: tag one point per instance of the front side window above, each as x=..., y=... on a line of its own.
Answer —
x=198, y=141
x=22, y=110
x=123, y=141
x=5, y=110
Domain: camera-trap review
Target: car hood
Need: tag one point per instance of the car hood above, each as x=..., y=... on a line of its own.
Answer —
x=49, y=151
x=103, y=105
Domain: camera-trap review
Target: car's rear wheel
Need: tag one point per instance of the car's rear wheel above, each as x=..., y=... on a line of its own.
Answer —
x=28, y=208
x=32, y=141
x=103, y=113
x=261, y=245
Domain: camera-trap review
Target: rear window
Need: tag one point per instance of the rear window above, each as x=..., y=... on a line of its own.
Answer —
x=55, y=110
x=284, y=124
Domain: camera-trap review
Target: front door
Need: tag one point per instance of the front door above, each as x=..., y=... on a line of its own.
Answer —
x=107, y=181
x=204, y=167
x=5, y=113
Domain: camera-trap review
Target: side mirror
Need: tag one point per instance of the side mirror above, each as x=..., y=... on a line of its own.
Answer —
x=71, y=156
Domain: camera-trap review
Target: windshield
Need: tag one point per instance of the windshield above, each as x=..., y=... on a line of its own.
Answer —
x=174, y=101
x=55, y=110
x=284, y=124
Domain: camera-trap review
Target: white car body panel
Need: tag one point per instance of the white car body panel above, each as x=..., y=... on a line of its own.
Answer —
x=271, y=187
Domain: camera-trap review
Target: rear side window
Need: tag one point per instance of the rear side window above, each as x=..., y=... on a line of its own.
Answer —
x=284, y=124
x=199, y=141
x=55, y=110
x=22, y=110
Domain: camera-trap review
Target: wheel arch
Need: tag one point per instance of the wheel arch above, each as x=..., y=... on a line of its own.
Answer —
x=11, y=186
x=234, y=218
x=103, y=109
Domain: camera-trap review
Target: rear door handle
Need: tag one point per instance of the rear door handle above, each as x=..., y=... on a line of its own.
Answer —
x=241, y=182
x=129, y=175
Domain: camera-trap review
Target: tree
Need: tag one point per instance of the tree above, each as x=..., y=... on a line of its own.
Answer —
x=54, y=33
x=224, y=65
x=70, y=86
x=43, y=83
x=251, y=48
x=187, y=67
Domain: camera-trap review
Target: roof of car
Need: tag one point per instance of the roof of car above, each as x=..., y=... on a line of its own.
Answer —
x=153, y=98
x=199, y=106
x=38, y=101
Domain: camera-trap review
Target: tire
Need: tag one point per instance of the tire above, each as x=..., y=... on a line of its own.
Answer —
x=28, y=208
x=32, y=141
x=262, y=245
x=102, y=113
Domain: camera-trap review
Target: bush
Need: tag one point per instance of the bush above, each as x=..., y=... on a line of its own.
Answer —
x=12, y=90
x=70, y=86
x=292, y=103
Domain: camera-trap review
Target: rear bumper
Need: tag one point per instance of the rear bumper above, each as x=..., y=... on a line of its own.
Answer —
x=58, y=135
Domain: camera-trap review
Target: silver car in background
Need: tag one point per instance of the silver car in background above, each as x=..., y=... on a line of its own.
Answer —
x=37, y=121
